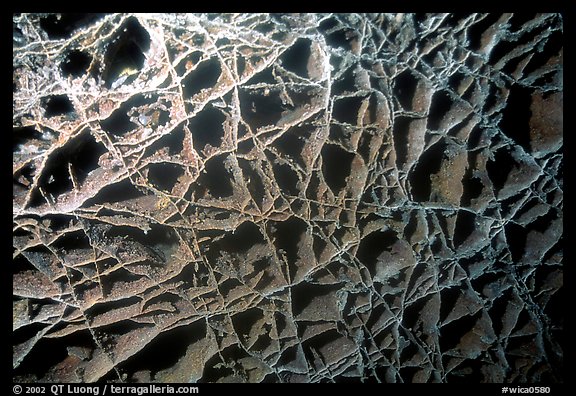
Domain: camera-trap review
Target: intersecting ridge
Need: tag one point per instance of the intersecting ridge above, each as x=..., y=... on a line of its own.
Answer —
x=287, y=198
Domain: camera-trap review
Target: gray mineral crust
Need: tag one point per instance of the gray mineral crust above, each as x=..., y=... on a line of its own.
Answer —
x=288, y=198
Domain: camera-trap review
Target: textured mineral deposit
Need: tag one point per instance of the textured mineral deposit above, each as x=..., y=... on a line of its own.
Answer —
x=287, y=198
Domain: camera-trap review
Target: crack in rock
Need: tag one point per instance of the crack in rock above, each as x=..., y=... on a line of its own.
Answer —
x=287, y=198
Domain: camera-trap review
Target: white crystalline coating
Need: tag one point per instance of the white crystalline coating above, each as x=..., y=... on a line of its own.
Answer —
x=287, y=198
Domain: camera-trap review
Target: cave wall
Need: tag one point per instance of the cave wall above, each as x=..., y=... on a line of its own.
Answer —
x=287, y=198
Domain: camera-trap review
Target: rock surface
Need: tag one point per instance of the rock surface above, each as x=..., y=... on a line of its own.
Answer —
x=287, y=198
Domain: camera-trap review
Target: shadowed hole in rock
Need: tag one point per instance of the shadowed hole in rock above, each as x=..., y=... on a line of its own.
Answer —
x=253, y=181
x=555, y=252
x=498, y=308
x=373, y=106
x=400, y=133
x=216, y=178
x=264, y=77
x=81, y=154
x=499, y=167
x=49, y=352
x=62, y=26
x=222, y=367
x=240, y=65
x=173, y=142
x=117, y=192
x=552, y=47
x=542, y=280
x=412, y=319
x=119, y=123
x=287, y=179
x=455, y=80
x=411, y=227
x=519, y=19
x=439, y=106
x=166, y=349
x=346, y=82
x=476, y=31
x=188, y=62
x=437, y=246
x=312, y=191
x=265, y=27
x=374, y=244
x=376, y=319
x=295, y=58
x=518, y=344
x=489, y=285
x=207, y=128
x=21, y=264
x=408, y=352
x=247, y=322
x=287, y=235
x=339, y=39
x=72, y=241
x=314, y=300
x=119, y=279
x=84, y=154
x=415, y=277
x=472, y=188
x=291, y=144
x=470, y=370
x=125, y=57
x=465, y=226
x=547, y=80
x=25, y=333
x=323, y=345
x=328, y=24
x=494, y=100
x=222, y=42
x=229, y=284
x=55, y=179
x=477, y=136
x=452, y=333
x=336, y=166
x=164, y=176
x=244, y=237
x=346, y=109
x=204, y=76
x=243, y=131
x=516, y=238
x=23, y=137
x=57, y=105
x=516, y=115
x=555, y=309
x=542, y=223
x=404, y=88
x=428, y=164
x=259, y=110
x=75, y=64
x=408, y=373
x=448, y=300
